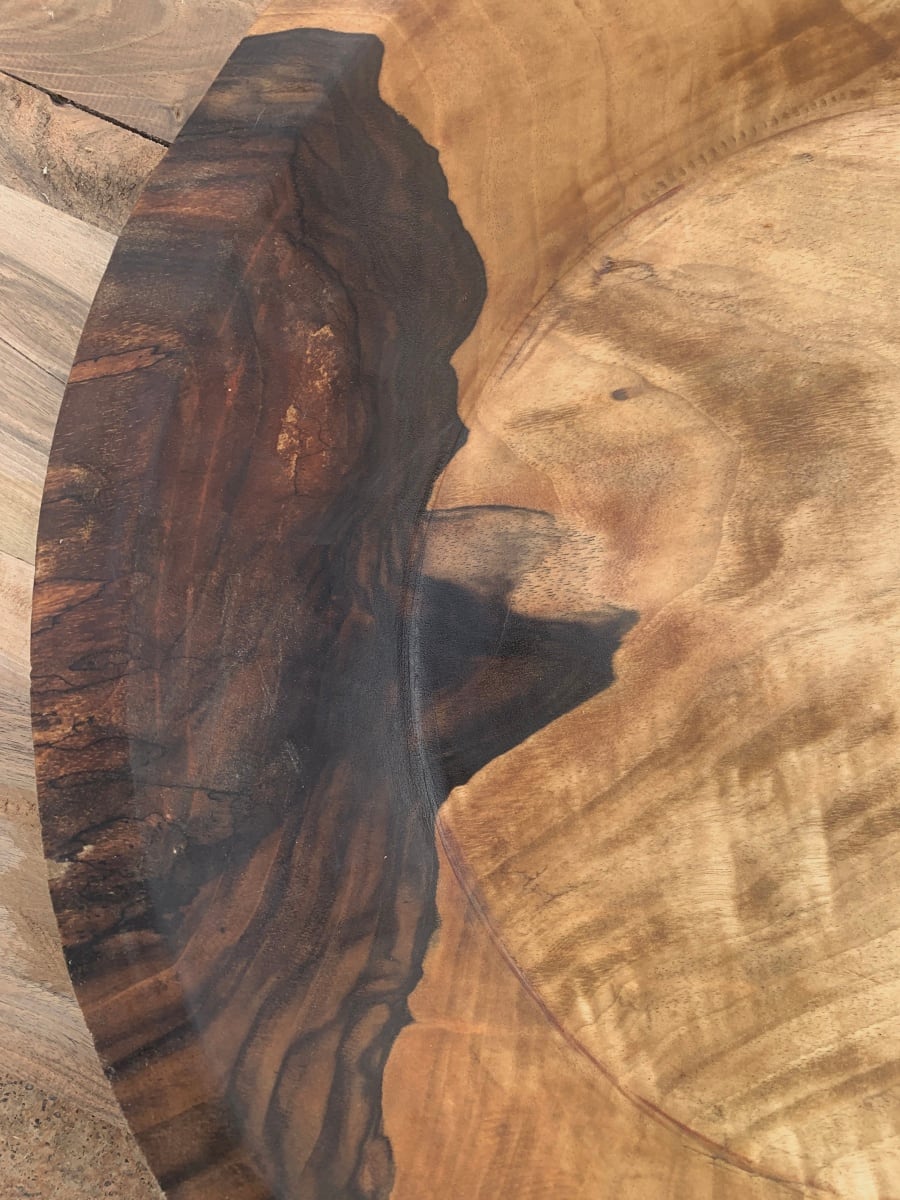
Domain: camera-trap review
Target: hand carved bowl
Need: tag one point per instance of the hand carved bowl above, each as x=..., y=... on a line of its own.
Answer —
x=465, y=629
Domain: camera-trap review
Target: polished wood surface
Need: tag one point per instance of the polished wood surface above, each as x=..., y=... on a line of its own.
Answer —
x=309, y=748
x=545, y=152
x=714, y=402
x=287, y=602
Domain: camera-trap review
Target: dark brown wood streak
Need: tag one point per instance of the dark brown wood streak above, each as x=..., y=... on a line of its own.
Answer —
x=221, y=745
x=242, y=836
x=485, y=675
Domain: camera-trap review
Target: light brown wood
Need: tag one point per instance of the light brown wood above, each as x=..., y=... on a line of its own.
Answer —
x=497, y=1078
x=522, y=1069
x=50, y=266
x=70, y=159
x=61, y=1132
x=143, y=64
x=557, y=121
x=16, y=754
x=694, y=871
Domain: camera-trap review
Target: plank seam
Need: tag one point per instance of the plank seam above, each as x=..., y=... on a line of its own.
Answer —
x=59, y=98
x=38, y=366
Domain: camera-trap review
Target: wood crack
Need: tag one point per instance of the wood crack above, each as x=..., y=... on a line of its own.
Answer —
x=60, y=99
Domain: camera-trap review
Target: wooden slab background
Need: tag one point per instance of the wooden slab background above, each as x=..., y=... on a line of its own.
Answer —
x=90, y=94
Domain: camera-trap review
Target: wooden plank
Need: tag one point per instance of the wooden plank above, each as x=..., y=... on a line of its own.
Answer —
x=144, y=65
x=50, y=265
x=73, y=161
x=61, y=1133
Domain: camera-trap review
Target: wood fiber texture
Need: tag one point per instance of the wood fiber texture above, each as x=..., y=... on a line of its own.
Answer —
x=49, y=268
x=694, y=870
x=389, y=467
x=69, y=159
x=143, y=63
x=61, y=1132
x=259, y=824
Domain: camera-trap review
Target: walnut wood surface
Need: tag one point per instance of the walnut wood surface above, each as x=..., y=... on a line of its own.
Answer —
x=546, y=150
x=694, y=871
x=260, y=663
x=318, y=736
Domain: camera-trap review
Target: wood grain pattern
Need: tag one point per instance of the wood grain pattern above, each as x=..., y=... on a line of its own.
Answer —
x=61, y=1132
x=714, y=396
x=260, y=664
x=145, y=64
x=50, y=266
x=547, y=151
x=70, y=159
x=535, y=1116
x=15, y=746
x=317, y=744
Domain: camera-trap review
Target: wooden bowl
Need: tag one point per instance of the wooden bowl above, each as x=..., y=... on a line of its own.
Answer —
x=465, y=632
